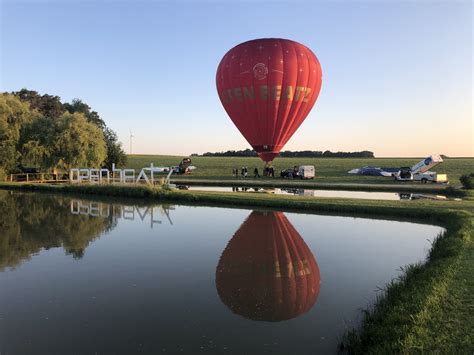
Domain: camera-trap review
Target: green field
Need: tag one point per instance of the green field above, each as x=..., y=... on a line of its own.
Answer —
x=328, y=170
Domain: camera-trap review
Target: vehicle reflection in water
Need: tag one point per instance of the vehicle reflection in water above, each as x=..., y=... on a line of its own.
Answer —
x=126, y=212
x=418, y=196
x=267, y=272
x=366, y=195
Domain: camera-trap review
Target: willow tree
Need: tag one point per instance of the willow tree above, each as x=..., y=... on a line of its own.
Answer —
x=52, y=107
x=115, y=152
x=14, y=114
x=37, y=131
x=63, y=143
x=79, y=143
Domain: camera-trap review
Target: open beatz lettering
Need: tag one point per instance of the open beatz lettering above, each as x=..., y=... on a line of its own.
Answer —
x=120, y=176
x=265, y=92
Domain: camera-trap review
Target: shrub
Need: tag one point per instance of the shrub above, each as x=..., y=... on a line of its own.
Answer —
x=467, y=181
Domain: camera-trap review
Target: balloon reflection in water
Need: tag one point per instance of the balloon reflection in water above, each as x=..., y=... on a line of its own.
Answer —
x=267, y=272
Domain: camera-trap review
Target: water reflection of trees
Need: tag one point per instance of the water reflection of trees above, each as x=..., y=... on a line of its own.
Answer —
x=267, y=272
x=32, y=222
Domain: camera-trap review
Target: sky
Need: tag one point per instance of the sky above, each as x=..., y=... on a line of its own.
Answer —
x=397, y=75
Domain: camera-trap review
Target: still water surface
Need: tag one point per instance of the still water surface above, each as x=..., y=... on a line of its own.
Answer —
x=81, y=276
x=365, y=195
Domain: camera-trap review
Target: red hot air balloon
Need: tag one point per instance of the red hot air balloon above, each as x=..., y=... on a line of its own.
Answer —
x=268, y=86
x=267, y=271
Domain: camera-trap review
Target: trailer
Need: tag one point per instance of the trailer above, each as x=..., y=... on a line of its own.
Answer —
x=420, y=171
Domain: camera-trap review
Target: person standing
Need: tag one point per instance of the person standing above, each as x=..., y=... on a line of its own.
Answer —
x=255, y=173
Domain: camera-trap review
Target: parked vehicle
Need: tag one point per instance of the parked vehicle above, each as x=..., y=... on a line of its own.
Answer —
x=431, y=176
x=419, y=172
x=298, y=172
x=306, y=172
x=404, y=174
x=288, y=174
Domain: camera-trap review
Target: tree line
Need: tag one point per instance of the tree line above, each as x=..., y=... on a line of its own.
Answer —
x=292, y=154
x=41, y=132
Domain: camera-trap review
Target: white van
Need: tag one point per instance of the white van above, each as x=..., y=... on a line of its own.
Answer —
x=306, y=172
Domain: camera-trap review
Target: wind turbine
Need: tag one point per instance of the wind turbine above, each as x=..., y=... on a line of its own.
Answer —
x=131, y=137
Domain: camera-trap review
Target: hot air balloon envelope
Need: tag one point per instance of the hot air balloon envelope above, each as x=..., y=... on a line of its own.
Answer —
x=268, y=87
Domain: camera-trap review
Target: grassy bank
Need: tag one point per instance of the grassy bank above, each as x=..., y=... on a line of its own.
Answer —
x=328, y=170
x=429, y=308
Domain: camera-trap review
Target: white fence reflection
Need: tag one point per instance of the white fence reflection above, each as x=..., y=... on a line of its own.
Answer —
x=107, y=210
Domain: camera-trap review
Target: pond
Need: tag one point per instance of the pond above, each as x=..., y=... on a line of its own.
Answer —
x=85, y=276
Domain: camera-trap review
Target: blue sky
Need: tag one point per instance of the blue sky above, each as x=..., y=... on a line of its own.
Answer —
x=397, y=76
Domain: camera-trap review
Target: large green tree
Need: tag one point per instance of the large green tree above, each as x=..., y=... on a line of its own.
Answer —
x=81, y=142
x=52, y=107
x=47, y=105
x=65, y=142
x=14, y=114
x=115, y=153
x=92, y=116
x=36, y=145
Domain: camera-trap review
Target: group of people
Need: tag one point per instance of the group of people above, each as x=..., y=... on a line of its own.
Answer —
x=269, y=171
x=244, y=171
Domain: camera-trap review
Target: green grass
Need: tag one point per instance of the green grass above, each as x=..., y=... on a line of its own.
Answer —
x=424, y=310
x=453, y=317
x=328, y=170
x=428, y=309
